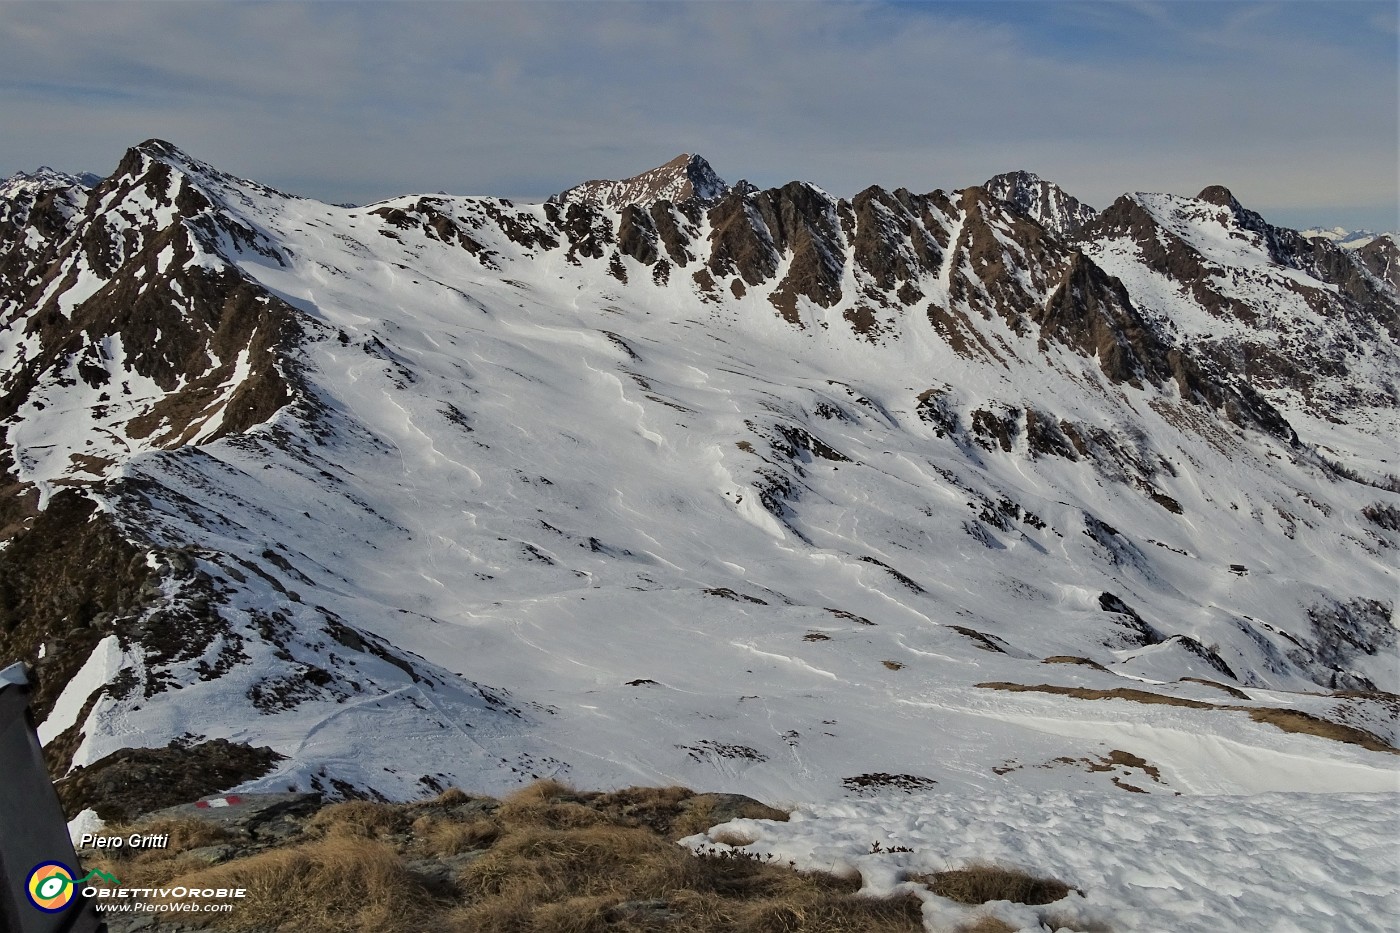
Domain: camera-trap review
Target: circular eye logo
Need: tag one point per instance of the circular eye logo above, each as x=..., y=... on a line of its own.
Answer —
x=50, y=887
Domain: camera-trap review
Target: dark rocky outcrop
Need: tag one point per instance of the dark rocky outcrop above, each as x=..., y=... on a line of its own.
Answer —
x=65, y=583
x=134, y=781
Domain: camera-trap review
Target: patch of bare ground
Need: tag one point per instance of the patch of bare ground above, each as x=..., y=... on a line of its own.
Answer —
x=1291, y=720
x=1115, y=761
x=982, y=882
x=1288, y=720
x=987, y=924
x=1075, y=659
x=548, y=859
x=879, y=780
x=1090, y=693
x=1237, y=694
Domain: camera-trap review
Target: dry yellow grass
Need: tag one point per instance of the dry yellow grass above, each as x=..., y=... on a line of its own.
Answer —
x=987, y=924
x=731, y=838
x=534, y=864
x=359, y=818
x=1289, y=720
x=979, y=883
x=339, y=884
x=442, y=837
x=1224, y=688
x=1089, y=693
x=542, y=791
x=184, y=834
x=1074, y=659
x=451, y=797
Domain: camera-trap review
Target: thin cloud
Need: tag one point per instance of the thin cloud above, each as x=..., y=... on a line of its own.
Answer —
x=346, y=101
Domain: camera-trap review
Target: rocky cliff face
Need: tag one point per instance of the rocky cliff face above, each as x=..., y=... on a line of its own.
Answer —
x=312, y=476
x=1044, y=201
x=1311, y=326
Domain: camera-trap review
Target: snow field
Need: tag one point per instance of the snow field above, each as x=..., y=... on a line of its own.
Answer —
x=1282, y=863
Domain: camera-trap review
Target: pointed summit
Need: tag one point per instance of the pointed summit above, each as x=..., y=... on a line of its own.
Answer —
x=684, y=178
x=1043, y=201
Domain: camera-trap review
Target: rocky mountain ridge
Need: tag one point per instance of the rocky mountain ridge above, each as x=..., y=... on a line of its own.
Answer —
x=435, y=490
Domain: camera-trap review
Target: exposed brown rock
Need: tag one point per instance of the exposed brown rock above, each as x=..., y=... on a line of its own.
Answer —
x=134, y=781
x=66, y=582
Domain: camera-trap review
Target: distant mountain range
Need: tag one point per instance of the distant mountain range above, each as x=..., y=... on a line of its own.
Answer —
x=1348, y=239
x=667, y=480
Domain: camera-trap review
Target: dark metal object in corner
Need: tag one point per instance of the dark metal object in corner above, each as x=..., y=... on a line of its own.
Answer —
x=32, y=826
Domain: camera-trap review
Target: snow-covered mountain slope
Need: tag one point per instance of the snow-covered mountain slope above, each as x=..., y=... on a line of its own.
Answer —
x=783, y=494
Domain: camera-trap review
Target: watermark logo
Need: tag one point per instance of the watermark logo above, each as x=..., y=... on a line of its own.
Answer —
x=51, y=885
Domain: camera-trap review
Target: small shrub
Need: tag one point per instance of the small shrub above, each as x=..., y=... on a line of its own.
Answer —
x=1056, y=921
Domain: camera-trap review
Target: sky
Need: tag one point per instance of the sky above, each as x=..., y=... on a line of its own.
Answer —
x=1295, y=106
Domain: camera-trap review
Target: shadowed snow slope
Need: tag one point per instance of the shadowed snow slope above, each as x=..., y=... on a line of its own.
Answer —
x=757, y=494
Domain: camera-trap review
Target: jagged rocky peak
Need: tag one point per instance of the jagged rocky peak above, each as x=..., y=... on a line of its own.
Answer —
x=171, y=154
x=158, y=164
x=684, y=178
x=1045, y=201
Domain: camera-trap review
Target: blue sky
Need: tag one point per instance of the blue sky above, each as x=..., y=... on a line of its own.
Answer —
x=1294, y=105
